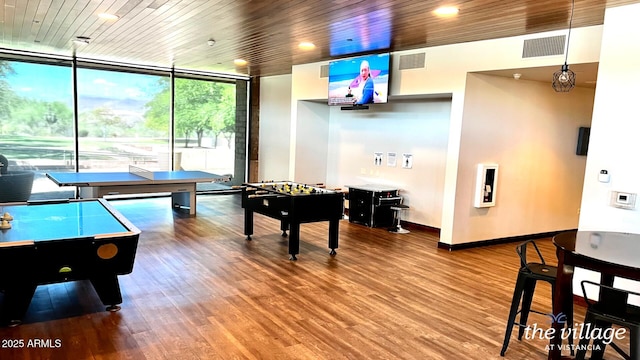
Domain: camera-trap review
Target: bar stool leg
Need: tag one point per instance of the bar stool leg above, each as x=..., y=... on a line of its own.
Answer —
x=396, y=221
x=513, y=312
x=400, y=229
x=527, y=298
x=634, y=348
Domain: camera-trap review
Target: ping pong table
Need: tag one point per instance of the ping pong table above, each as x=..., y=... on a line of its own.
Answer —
x=180, y=183
x=58, y=241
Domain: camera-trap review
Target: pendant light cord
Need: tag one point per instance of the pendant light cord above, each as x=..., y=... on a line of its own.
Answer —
x=566, y=56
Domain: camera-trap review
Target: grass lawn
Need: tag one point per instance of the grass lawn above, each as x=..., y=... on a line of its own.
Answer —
x=62, y=148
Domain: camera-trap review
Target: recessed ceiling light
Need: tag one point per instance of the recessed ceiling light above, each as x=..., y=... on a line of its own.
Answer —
x=240, y=62
x=305, y=45
x=446, y=11
x=108, y=16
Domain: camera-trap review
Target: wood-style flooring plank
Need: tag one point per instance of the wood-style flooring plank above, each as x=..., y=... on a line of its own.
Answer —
x=199, y=290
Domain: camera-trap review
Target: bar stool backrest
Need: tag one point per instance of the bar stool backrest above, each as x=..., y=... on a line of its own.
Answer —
x=611, y=302
x=522, y=253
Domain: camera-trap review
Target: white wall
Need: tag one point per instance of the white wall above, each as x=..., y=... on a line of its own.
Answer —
x=416, y=127
x=275, y=123
x=531, y=132
x=312, y=137
x=306, y=84
x=615, y=127
x=445, y=73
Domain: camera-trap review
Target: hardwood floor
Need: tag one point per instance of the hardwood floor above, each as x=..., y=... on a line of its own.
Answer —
x=199, y=290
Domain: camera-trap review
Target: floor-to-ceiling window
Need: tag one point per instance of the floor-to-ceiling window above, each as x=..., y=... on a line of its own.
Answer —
x=123, y=118
x=205, y=125
x=36, y=119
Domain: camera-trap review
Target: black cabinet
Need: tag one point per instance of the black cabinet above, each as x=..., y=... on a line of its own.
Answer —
x=370, y=205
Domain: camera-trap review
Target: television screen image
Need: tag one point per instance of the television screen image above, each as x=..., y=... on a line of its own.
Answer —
x=360, y=80
x=349, y=37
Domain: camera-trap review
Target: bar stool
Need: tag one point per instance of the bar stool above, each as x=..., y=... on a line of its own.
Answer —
x=398, y=209
x=612, y=308
x=528, y=276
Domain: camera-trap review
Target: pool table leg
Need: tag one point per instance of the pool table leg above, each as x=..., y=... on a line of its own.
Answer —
x=108, y=290
x=16, y=302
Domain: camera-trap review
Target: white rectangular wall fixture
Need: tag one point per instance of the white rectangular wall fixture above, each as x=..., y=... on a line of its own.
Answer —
x=486, y=185
x=623, y=200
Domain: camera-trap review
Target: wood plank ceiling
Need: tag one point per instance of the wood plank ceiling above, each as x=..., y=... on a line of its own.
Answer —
x=266, y=33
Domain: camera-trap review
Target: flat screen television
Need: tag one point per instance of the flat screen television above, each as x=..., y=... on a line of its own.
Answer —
x=359, y=81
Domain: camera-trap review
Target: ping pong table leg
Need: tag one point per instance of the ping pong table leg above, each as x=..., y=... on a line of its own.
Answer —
x=192, y=203
x=184, y=200
x=88, y=192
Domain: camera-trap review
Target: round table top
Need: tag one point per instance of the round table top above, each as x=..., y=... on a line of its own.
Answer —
x=612, y=247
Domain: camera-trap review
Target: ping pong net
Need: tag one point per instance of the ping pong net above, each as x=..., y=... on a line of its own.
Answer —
x=148, y=174
x=136, y=170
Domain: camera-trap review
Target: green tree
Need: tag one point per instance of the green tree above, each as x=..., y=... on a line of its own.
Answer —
x=6, y=94
x=103, y=121
x=199, y=106
x=36, y=117
x=195, y=103
x=26, y=116
x=224, y=119
x=157, y=109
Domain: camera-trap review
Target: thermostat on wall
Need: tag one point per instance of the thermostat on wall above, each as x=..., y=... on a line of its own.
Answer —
x=623, y=200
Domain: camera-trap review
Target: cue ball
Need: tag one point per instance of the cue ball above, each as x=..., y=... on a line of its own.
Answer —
x=107, y=251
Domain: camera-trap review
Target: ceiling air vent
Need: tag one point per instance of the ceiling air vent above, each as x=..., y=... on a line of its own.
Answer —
x=324, y=71
x=553, y=45
x=412, y=61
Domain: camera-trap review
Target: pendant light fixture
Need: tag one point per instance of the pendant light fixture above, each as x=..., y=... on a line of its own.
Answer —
x=565, y=79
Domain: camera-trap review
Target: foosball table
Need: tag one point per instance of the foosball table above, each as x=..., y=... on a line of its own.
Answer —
x=293, y=204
